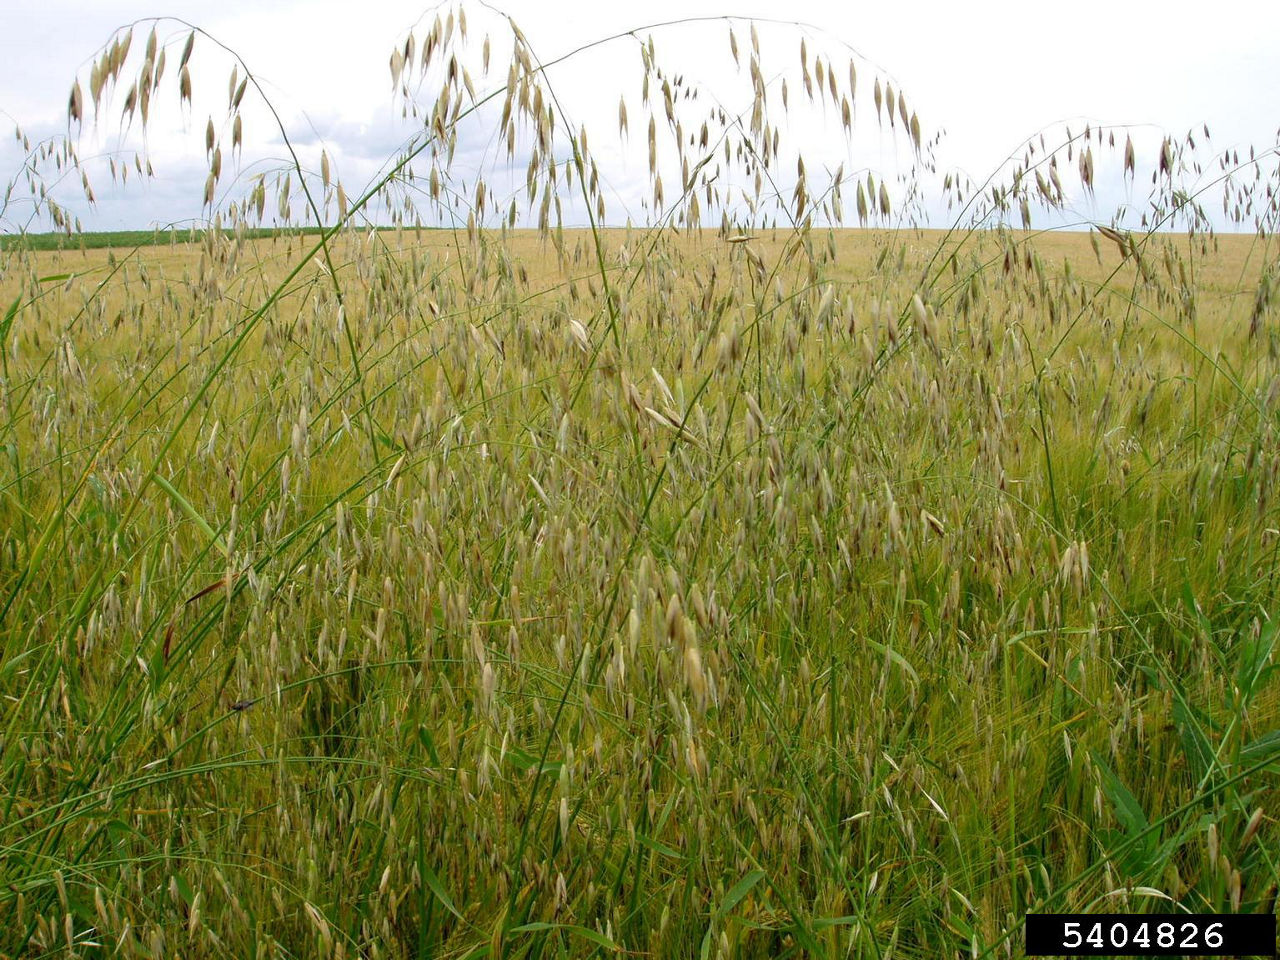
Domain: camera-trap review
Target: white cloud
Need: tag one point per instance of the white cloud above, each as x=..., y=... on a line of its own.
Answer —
x=990, y=74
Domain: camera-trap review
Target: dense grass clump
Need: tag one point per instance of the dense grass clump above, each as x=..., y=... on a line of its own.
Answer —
x=769, y=588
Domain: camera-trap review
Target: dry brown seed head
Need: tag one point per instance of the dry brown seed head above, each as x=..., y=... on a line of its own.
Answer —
x=75, y=106
x=130, y=101
x=1250, y=830
x=95, y=84
x=1067, y=566
x=917, y=307
x=695, y=676
x=396, y=65
x=825, y=304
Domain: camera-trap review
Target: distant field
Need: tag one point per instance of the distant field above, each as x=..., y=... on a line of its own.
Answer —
x=127, y=239
x=813, y=593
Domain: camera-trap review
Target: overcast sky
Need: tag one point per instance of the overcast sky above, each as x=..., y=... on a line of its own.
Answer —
x=987, y=74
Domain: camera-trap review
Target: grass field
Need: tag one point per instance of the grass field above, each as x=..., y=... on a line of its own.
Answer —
x=775, y=622
x=126, y=240
x=667, y=591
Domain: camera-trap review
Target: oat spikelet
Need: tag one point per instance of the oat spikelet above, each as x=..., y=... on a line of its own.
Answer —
x=696, y=677
x=397, y=67
x=322, y=927
x=96, y=81
x=1119, y=239
x=1251, y=829
x=75, y=106
x=825, y=304
x=130, y=101
x=1086, y=168
x=933, y=523
x=917, y=307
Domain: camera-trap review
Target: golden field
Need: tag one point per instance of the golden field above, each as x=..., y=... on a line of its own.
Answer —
x=841, y=593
